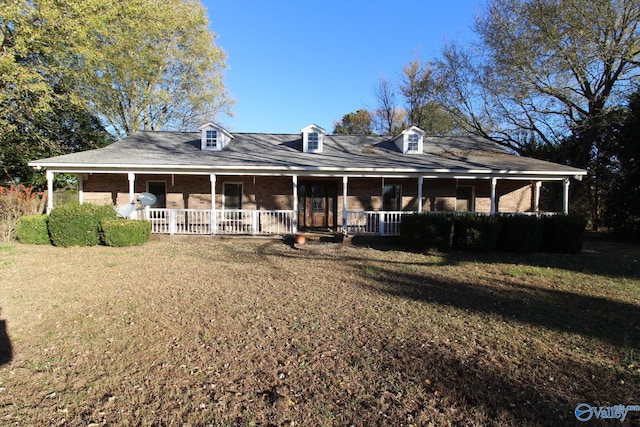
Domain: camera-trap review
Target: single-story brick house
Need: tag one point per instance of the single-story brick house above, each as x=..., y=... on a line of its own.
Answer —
x=215, y=182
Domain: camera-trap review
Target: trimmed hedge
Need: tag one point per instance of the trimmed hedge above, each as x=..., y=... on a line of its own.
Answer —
x=125, y=232
x=520, y=234
x=33, y=230
x=563, y=233
x=476, y=233
x=422, y=231
x=74, y=224
x=480, y=233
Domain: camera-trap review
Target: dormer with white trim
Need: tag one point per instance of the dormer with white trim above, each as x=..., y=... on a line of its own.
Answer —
x=410, y=141
x=213, y=137
x=312, y=138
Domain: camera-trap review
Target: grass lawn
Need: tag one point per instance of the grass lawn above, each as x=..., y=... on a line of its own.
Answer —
x=255, y=332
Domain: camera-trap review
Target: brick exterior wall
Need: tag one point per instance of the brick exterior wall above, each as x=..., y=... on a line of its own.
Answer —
x=100, y=188
x=511, y=196
x=276, y=193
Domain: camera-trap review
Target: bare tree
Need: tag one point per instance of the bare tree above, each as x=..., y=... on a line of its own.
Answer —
x=387, y=115
x=544, y=68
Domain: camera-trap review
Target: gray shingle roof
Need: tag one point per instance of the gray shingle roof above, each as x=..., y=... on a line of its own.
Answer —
x=342, y=153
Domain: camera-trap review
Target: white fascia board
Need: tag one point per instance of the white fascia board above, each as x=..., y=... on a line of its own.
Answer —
x=203, y=169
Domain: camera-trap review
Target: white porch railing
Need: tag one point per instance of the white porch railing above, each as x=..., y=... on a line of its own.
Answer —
x=382, y=223
x=254, y=222
x=274, y=222
x=203, y=221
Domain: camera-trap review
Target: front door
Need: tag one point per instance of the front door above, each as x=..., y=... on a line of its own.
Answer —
x=317, y=205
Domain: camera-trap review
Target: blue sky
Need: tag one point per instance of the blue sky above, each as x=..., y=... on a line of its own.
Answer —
x=292, y=63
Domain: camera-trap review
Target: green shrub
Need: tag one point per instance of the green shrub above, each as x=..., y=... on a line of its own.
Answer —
x=476, y=233
x=563, y=233
x=520, y=233
x=422, y=231
x=125, y=232
x=33, y=230
x=74, y=224
x=17, y=201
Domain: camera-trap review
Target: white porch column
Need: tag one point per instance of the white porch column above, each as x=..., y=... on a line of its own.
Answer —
x=494, y=183
x=420, y=183
x=345, y=182
x=212, y=179
x=565, y=196
x=80, y=178
x=49, y=191
x=294, y=220
x=536, y=196
x=214, y=219
x=132, y=187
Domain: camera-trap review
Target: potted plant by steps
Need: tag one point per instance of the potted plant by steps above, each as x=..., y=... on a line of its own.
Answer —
x=300, y=238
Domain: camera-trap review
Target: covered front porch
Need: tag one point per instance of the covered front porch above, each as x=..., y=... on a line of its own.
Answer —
x=255, y=205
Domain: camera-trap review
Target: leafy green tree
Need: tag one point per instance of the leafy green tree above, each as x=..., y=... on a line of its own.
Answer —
x=358, y=123
x=40, y=115
x=157, y=67
x=65, y=128
x=69, y=70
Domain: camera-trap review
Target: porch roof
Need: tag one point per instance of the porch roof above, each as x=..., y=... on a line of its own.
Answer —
x=179, y=152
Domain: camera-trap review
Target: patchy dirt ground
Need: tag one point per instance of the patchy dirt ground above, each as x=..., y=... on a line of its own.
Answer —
x=255, y=332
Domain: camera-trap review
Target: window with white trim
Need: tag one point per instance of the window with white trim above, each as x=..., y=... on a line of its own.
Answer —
x=413, y=143
x=313, y=143
x=211, y=138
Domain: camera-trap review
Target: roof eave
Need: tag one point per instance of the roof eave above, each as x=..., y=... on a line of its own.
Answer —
x=204, y=169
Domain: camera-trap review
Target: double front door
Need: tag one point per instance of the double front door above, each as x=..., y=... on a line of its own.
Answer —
x=317, y=207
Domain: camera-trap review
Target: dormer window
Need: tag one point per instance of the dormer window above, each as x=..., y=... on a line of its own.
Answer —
x=312, y=143
x=413, y=140
x=410, y=141
x=312, y=139
x=213, y=137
